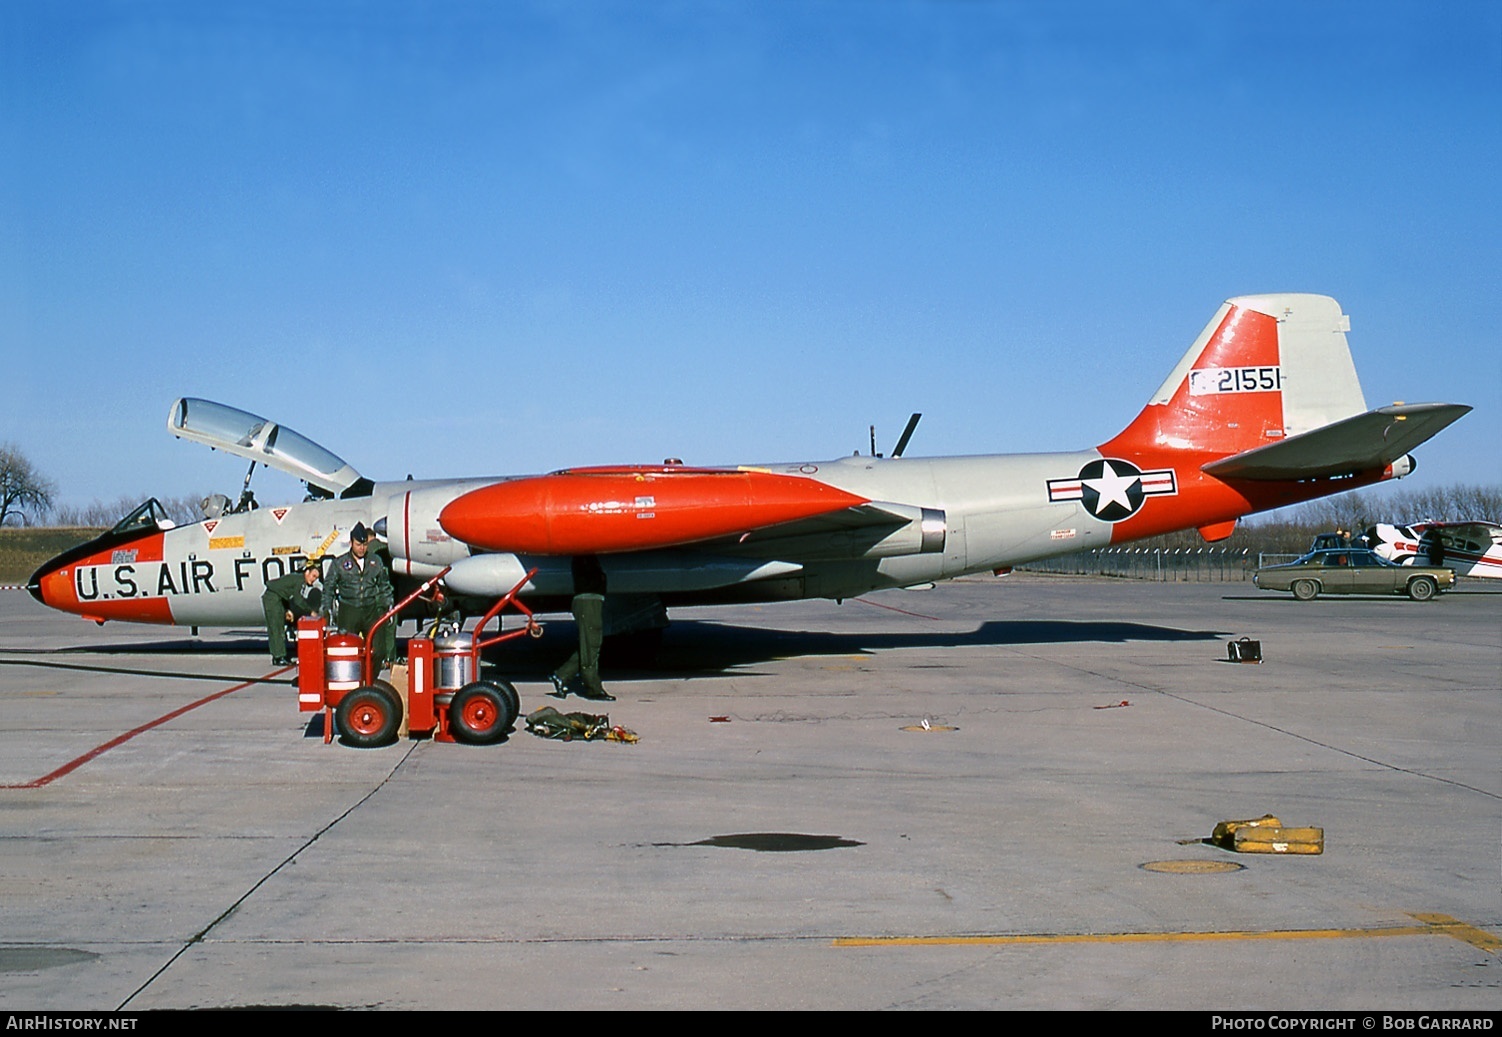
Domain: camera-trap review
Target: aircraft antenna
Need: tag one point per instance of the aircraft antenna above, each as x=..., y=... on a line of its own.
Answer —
x=907, y=434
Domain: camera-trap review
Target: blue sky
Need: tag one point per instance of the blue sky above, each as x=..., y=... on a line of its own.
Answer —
x=477, y=238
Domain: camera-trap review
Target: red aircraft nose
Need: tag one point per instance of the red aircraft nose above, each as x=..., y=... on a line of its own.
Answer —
x=113, y=576
x=607, y=510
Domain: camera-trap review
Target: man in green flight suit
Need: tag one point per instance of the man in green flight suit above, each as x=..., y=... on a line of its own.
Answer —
x=357, y=592
x=287, y=599
x=580, y=672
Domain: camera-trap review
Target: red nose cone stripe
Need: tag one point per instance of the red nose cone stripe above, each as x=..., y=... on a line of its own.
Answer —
x=114, y=583
x=631, y=510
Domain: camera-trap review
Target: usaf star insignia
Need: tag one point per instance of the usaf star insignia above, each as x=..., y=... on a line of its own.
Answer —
x=1112, y=489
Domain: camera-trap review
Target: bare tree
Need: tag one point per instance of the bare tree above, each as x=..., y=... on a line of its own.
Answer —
x=23, y=490
x=101, y=514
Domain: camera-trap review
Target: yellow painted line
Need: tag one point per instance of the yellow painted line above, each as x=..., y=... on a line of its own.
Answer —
x=1479, y=938
x=1434, y=925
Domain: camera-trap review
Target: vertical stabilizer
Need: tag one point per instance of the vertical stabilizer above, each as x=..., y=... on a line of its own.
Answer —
x=1265, y=368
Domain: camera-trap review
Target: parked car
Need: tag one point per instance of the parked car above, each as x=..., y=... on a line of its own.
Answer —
x=1353, y=570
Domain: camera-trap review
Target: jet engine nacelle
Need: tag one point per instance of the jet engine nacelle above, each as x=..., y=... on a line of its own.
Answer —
x=419, y=546
x=1401, y=467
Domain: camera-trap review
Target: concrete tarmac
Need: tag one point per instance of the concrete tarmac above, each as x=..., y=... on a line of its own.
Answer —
x=1039, y=845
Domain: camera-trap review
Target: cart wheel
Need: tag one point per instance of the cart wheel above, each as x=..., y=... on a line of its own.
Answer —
x=368, y=717
x=482, y=712
x=513, y=701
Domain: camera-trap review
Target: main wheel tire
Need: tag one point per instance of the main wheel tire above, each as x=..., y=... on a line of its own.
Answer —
x=1305, y=590
x=482, y=712
x=369, y=717
x=1422, y=588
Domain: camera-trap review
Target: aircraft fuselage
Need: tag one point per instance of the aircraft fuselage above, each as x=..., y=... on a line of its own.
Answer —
x=984, y=512
x=1263, y=410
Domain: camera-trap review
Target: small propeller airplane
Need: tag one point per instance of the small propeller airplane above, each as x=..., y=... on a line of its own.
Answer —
x=1470, y=548
x=1264, y=410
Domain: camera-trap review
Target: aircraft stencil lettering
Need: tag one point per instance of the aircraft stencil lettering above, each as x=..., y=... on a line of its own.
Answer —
x=1262, y=411
x=195, y=576
x=1210, y=380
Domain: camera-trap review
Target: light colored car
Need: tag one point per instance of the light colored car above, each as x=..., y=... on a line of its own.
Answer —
x=1353, y=570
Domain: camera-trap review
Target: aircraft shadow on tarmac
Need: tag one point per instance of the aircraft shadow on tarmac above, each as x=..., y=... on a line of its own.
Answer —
x=707, y=648
x=245, y=642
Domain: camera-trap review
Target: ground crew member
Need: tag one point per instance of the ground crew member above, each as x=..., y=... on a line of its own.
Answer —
x=580, y=672
x=357, y=592
x=287, y=599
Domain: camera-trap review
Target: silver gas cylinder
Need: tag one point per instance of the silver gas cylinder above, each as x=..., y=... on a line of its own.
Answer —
x=454, y=659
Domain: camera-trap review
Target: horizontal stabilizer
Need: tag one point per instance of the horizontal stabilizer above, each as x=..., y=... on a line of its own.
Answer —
x=1358, y=444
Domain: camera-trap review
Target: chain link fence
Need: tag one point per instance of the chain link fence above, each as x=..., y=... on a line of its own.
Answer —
x=1165, y=565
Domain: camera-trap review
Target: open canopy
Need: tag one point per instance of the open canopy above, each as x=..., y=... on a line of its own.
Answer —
x=247, y=435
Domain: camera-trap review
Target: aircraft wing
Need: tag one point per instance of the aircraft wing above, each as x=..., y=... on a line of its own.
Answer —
x=1357, y=444
x=871, y=530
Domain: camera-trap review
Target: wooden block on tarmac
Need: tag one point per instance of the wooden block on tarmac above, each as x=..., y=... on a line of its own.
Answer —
x=399, y=681
x=1280, y=840
x=1225, y=832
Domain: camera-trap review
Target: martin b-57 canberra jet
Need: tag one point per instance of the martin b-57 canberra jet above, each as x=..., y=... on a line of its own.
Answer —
x=1263, y=410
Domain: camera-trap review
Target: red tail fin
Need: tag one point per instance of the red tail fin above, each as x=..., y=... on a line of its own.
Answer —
x=1266, y=367
x=1228, y=399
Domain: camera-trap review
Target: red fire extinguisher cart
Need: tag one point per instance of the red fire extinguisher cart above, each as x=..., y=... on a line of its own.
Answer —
x=445, y=697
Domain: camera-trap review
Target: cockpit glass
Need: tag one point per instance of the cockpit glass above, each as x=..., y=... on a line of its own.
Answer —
x=148, y=516
x=249, y=435
x=217, y=421
x=300, y=450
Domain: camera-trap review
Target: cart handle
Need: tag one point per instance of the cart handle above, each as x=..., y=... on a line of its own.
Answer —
x=409, y=599
x=532, y=627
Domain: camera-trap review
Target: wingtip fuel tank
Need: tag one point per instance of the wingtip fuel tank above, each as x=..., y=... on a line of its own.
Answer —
x=613, y=510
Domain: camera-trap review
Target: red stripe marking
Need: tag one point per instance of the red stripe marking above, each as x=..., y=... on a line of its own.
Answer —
x=100, y=750
x=894, y=608
x=407, y=529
